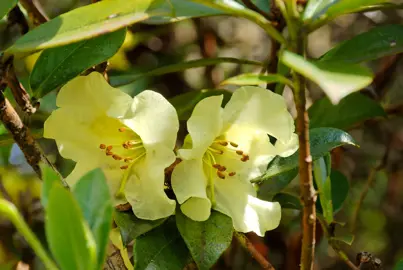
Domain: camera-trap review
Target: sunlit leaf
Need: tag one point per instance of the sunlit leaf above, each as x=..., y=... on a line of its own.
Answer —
x=323, y=181
x=256, y=79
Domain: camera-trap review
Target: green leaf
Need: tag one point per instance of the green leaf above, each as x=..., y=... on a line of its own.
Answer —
x=206, y=240
x=345, y=238
x=132, y=227
x=275, y=184
x=69, y=237
x=288, y=201
x=399, y=265
x=321, y=172
x=322, y=141
x=319, y=12
x=336, y=79
x=49, y=177
x=340, y=189
x=104, y=17
x=57, y=66
x=185, y=103
x=284, y=71
x=263, y=5
x=161, y=248
x=92, y=194
x=351, y=110
x=376, y=43
x=119, y=80
x=256, y=79
x=6, y=6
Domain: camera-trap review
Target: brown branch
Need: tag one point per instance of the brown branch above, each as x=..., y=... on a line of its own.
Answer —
x=34, y=13
x=247, y=245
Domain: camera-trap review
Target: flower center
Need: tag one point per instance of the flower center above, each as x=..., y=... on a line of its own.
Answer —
x=127, y=154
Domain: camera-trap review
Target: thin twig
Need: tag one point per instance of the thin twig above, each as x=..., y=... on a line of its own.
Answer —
x=370, y=180
x=246, y=244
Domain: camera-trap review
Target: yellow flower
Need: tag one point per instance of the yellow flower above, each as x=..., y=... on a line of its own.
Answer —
x=130, y=139
x=225, y=149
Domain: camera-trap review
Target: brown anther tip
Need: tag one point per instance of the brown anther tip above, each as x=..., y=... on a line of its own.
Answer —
x=233, y=144
x=108, y=153
x=221, y=175
x=102, y=146
x=125, y=146
x=122, y=129
x=216, y=166
x=239, y=152
x=127, y=160
x=232, y=173
x=245, y=158
x=221, y=152
x=116, y=157
x=223, y=143
x=124, y=167
x=109, y=148
x=222, y=168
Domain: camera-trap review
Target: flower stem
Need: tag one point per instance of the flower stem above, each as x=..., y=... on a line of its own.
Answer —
x=10, y=211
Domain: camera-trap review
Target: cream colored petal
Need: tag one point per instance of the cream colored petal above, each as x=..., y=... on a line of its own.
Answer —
x=92, y=92
x=189, y=184
x=237, y=200
x=260, y=110
x=286, y=149
x=154, y=119
x=144, y=191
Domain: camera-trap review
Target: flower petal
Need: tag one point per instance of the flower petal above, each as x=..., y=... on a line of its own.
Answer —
x=95, y=95
x=154, y=119
x=261, y=110
x=79, y=171
x=204, y=125
x=189, y=184
x=286, y=149
x=144, y=190
x=237, y=200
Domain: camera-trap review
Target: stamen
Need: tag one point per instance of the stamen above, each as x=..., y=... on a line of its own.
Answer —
x=239, y=152
x=124, y=167
x=233, y=144
x=109, y=148
x=223, y=143
x=221, y=175
x=108, y=153
x=232, y=173
x=244, y=158
x=222, y=169
x=216, y=166
x=122, y=129
x=220, y=152
x=102, y=146
x=116, y=157
x=128, y=160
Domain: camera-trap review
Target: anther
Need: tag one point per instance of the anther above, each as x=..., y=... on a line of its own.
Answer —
x=221, y=175
x=223, y=143
x=245, y=158
x=125, y=146
x=122, y=129
x=233, y=144
x=124, y=167
x=222, y=169
x=116, y=157
x=239, y=152
x=108, y=153
x=109, y=148
x=102, y=146
x=216, y=166
x=127, y=160
x=232, y=173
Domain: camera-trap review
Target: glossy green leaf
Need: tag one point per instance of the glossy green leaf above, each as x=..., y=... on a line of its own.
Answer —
x=336, y=79
x=399, y=265
x=269, y=188
x=256, y=79
x=57, y=66
x=119, y=80
x=263, y=5
x=206, y=240
x=321, y=11
x=340, y=189
x=104, y=17
x=49, y=177
x=68, y=236
x=161, y=248
x=321, y=172
x=6, y=6
x=322, y=141
x=288, y=201
x=353, y=109
x=92, y=194
x=376, y=43
x=132, y=227
x=185, y=103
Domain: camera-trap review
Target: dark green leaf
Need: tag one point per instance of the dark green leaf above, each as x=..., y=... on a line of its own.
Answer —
x=340, y=189
x=256, y=79
x=336, y=79
x=345, y=238
x=274, y=185
x=351, y=110
x=69, y=237
x=263, y=5
x=206, y=240
x=288, y=201
x=129, y=78
x=132, y=227
x=284, y=71
x=185, y=103
x=6, y=6
x=92, y=194
x=161, y=248
x=49, y=177
x=322, y=140
x=399, y=265
x=376, y=43
x=57, y=66
x=321, y=172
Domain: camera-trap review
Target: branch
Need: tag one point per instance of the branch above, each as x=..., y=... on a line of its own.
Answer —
x=246, y=244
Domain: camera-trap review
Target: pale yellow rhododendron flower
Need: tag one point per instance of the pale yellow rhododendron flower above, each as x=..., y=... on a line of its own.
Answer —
x=225, y=149
x=130, y=139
